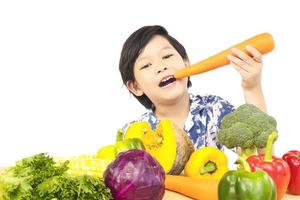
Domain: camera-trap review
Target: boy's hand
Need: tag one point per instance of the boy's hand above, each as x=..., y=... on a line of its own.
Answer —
x=249, y=67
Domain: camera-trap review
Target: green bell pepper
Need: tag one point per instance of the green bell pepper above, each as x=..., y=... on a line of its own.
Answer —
x=111, y=151
x=242, y=184
x=130, y=143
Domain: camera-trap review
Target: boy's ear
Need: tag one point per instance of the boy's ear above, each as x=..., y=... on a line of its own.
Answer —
x=134, y=88
x=186, y=62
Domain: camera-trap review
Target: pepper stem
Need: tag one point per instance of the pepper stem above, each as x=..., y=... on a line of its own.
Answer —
x=120, y=135
x=209, y=167
x=243, y=164
x=269, y=148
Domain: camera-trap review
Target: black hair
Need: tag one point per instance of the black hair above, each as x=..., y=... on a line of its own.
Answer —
x=132, y=48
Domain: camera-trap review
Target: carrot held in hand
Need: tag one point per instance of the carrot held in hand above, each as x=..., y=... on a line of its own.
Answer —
x=263, y=42
x=202, y=189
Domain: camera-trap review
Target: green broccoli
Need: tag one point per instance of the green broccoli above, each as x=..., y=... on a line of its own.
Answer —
x=248, y=128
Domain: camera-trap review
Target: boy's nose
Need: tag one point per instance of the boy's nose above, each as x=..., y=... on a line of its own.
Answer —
x=160, y=70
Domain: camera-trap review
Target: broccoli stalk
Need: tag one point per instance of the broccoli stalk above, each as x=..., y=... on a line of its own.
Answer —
x=246, y=152
x=247, y=128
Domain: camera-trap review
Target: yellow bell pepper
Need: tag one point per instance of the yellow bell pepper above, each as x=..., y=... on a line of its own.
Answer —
x=207, y=162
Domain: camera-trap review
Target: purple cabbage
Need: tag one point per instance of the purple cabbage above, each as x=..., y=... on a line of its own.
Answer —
x=135, y=175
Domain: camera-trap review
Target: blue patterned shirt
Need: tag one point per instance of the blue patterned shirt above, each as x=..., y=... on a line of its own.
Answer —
x=203, y=121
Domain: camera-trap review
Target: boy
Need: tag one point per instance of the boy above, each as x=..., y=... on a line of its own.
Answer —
x=149, y=59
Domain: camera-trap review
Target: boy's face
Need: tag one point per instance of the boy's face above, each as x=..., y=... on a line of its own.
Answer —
x=153, y=71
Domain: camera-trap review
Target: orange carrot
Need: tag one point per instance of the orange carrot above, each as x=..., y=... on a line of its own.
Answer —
x=202, y=189
x=264, y=43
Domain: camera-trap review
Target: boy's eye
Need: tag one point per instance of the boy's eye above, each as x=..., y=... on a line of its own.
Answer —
x=168, y=56
x=145, y=66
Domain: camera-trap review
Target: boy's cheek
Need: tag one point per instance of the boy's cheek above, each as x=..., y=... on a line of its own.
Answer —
x=176, y=66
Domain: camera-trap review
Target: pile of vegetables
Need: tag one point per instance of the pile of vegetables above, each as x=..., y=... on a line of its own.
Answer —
x=144, y=162
x=260, y=176
x=134, y=174
x=40, y=177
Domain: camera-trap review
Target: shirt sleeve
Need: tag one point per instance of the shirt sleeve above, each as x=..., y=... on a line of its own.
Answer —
x=219, y=107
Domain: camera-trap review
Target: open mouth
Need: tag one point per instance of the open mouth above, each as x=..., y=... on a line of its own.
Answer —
x=166, y=81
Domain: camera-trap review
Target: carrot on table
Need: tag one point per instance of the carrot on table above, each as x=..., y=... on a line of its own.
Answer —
x=202, y=189
x=263, y=42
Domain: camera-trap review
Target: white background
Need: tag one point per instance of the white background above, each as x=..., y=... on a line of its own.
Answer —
x=60, y=87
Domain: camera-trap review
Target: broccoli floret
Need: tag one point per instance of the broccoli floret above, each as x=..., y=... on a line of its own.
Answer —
x=234, y=138
x=247, y=127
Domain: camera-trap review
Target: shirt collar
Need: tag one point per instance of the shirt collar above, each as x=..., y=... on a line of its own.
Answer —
x=196, y=105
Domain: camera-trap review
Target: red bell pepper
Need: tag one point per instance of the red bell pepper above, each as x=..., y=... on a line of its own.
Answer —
x=293, y=160
x=277, y=168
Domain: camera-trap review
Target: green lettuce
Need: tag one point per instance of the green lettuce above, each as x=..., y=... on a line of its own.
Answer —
x=40, y=178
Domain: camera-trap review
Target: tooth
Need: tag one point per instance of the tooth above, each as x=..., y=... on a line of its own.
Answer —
x=167, y=78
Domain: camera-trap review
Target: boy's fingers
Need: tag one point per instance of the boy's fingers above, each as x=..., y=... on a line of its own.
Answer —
x=256, y=55
x=240, y=63
x=243, y=56
x=239, y=69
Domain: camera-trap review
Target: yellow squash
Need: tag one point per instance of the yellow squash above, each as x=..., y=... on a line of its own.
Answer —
x=167, y=143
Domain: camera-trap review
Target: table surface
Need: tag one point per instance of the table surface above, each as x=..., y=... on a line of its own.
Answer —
x=169, y=195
